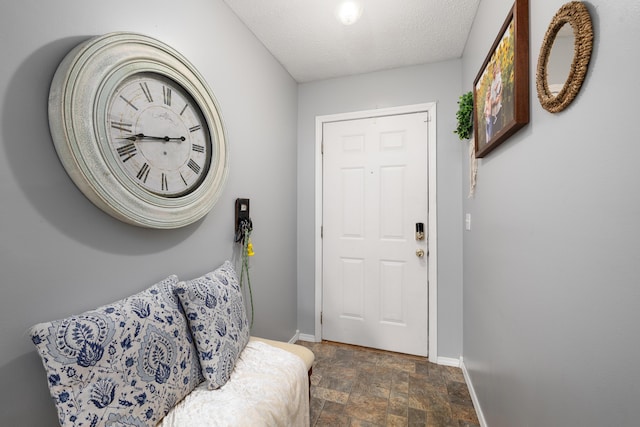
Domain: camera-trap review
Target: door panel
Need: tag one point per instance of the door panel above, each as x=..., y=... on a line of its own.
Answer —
x=374, y=192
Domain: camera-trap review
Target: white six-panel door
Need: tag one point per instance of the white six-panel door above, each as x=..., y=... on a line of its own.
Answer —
x=375, y=180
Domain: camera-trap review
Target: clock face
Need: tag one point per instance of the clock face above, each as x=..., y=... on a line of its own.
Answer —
x=138, y=130
x=158, y=134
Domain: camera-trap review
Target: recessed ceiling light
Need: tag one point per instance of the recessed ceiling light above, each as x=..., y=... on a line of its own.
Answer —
x=349, y=12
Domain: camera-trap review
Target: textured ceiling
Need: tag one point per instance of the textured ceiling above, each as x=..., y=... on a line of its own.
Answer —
x=308, y=40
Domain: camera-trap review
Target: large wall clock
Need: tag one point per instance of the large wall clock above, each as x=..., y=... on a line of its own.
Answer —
x=138, y=130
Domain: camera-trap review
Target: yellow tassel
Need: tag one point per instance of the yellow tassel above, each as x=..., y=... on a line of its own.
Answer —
x=250, y=249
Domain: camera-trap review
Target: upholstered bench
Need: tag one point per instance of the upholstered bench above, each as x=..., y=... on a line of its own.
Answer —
x=303, y=353
x=176, y=354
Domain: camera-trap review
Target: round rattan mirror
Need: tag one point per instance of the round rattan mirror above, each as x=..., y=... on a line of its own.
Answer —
x=576, y=15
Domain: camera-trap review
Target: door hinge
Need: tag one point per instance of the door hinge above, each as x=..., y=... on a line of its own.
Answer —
x=321, y=231
x=321, y=318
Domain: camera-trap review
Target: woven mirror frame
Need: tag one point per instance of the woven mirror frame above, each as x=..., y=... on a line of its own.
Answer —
x=576, y=14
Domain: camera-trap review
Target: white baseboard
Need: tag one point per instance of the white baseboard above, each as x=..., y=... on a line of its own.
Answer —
x=474, y=396
x=302, y=337
x=448, y=361
x=306, y=337
x=295, y=338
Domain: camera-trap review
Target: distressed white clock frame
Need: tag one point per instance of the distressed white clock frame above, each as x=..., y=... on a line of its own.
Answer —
x=78, y=99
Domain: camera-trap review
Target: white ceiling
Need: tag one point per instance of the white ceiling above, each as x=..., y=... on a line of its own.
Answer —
x=308, y=40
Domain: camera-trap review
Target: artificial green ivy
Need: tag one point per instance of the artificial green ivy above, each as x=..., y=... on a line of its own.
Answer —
x=465, y=116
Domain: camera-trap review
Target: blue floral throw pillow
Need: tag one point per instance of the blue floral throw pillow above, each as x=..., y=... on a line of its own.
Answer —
x=123, y=364
x=215, y=311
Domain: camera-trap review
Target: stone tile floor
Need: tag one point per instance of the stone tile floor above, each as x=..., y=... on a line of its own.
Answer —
x=357, y=386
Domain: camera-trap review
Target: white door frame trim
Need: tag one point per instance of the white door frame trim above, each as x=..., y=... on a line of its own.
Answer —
x=432, y=259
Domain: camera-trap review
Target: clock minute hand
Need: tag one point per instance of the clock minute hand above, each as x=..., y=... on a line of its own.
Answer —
x=161, y=138
x=140, y=136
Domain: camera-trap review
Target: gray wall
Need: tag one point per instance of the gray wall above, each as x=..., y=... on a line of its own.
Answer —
x=552, y=262
x=410, y=85
x=59, y=255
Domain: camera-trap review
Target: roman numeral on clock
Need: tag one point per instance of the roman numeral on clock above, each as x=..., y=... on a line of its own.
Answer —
x=167, y=95
x=165, y=186
x=143, y=173
x=127, y=151
x=198, y=148
x=129, y=102
x=125, y=127
x=195, y=128
x=147, y=93
x=193, y=166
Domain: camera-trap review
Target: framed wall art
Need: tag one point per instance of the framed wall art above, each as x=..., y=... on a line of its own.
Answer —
x=501, y=88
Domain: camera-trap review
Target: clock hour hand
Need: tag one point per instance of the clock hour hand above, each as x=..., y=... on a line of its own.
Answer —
x=140, y=136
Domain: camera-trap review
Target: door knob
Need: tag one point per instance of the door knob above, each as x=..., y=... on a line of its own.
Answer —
x=420, y=253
